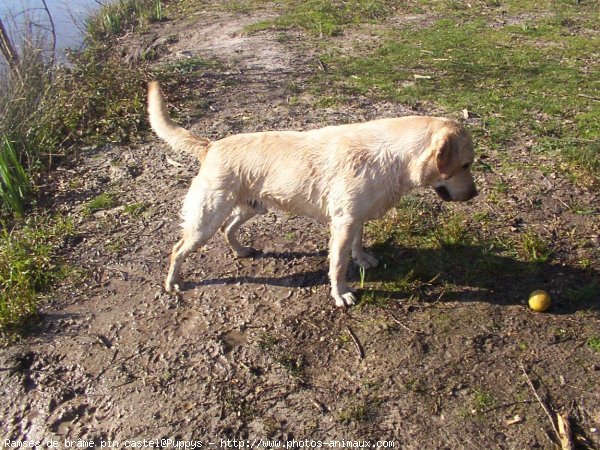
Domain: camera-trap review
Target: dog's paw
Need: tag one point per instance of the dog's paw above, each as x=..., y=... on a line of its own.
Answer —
x=344, y=300
x=364, y=260
x=172, y=286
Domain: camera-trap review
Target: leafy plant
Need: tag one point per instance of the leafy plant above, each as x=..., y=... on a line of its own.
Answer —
x=14, y=181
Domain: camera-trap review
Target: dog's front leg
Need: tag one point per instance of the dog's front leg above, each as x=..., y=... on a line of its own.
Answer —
x=342, y=236
x=359, y=255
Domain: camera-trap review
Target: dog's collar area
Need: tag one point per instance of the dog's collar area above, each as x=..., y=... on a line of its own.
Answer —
x=442, y=192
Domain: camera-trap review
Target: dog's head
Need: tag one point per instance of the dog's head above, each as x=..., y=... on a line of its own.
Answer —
x=450, y=160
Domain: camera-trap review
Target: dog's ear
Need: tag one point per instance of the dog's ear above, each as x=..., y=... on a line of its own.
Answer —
x=445, y=157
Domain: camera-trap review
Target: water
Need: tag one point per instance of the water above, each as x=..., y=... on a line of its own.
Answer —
x=68, y=16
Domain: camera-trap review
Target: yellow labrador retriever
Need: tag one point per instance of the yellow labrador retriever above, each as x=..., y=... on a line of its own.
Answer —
x=344, y=175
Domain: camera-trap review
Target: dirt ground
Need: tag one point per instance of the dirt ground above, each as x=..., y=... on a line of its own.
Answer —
x=255, y=348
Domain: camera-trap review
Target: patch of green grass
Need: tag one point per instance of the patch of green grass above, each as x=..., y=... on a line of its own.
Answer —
x=266, y=341
x=523, y=346
x=293, y=364
x=425, y=241
x=100, y=99
x=481, y=216
x=501, y=187
x=238, y=6
x=416, y=385
x=594, y=343
x=452, y=232
x=356, y=410
x=541, y=83
x=534, y=248
x=135, y=209
x=116, y=245
x=398, y=283
x=582, y=209
x=103, y=201
x=25, y=88
x=325, y=17
x=235, y=403
x=433, y=242
x=482, y=401
x=28, y=267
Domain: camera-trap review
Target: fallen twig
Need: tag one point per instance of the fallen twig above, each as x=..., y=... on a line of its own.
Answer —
x=359, y=347
x=321, y=407
x=596, y=99
x=564, y=430
x=439, y=297
x=540, y=401
x=433, y=279
x=515, y=420
x=404, y=326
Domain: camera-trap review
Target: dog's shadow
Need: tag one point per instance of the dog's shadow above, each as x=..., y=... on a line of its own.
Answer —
x=295, y=280
x=459, y=273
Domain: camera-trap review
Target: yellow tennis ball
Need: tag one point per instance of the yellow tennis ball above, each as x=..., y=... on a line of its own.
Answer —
x=539, y=300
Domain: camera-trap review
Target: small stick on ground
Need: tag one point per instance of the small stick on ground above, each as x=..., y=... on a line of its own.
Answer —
x=439, y=297
x=540, y=401
x=359, y=347
x=564, y=429
x=404, y=326
x=430, y=282
x=320, y=406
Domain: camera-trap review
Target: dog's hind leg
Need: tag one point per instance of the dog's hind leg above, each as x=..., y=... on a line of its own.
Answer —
x=204, y=210
x=359, y=255
x=342, y=237
x=241, y=214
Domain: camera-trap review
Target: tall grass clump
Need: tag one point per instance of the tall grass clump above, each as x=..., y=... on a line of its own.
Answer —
x=24, y=88
x=48, y=111
x=14, y=181
x=117, y=17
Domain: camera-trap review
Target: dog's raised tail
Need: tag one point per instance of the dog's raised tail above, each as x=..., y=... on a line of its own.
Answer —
x=177, y=137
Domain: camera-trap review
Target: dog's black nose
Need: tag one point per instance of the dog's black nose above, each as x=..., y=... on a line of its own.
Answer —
x=443, y=193
x=474, y=193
